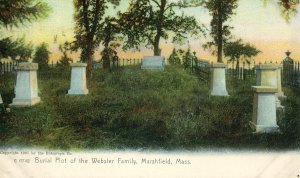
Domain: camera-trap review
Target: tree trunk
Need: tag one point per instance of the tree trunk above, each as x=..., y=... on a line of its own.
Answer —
x=106, y=63
x=106, y=59
x=157, y=51
x=220, y=35
x=89, y=66
x=237, y=67
x=87, y=57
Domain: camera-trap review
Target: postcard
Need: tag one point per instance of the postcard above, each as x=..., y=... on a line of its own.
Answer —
x=149, y=88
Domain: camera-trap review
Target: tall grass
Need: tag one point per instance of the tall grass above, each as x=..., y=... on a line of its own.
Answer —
x=131, y=108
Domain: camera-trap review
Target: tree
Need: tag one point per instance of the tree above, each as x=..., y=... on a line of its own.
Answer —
x=174, y=58
x=88, y=23
x=188, y=59
x=147, y=21
x=110, y=37
x=41, y=56
x=221, y=11
x=64, y=60
x=237, y=51
x=288, y=8
x=15, y=49
x=13, y=13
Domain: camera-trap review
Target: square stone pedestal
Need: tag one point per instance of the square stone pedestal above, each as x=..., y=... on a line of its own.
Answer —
x=264, y=110
x=279, y=93
x=26, y=90
x=153, y=63
x=270, y=75
x=267, y=75
x=218, y=80
x=1, y=105
x=78, y=79
x=1, y=101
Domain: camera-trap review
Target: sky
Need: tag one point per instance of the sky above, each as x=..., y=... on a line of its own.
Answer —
x=255, y=23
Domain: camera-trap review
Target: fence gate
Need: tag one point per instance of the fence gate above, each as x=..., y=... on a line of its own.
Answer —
x=291, y=71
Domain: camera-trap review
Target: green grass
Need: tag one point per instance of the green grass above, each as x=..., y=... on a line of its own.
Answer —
x=131, y=108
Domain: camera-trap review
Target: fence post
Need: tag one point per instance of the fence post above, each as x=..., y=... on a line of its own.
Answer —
x=239, y=72
x=7, y=67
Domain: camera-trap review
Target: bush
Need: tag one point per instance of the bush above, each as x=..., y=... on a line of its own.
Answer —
x=290, y=123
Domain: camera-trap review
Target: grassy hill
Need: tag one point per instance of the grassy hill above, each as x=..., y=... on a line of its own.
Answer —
x=131, y=108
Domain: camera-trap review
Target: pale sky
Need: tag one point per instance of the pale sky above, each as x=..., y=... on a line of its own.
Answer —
x=260, y=25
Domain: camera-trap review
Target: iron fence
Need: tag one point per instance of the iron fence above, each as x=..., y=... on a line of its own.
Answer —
x=6, y=67
x=291, y=72
x=201, y=68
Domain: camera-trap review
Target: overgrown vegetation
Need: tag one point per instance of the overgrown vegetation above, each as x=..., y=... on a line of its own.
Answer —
x=130, y=108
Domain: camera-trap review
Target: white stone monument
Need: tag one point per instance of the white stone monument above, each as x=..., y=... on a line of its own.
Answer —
x=78, y=79
x=153, y=63
x=26, y=89
x=1, y=105
x=218, y=80
x=280, y=93
x=264, y=110
x=1, y=101
x=268, y=75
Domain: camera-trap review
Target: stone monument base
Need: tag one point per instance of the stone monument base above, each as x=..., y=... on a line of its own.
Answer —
x=278, y=103
x=78, y=92
x=2, y=109
x=264, y=110
x=1, y=101
x=78, y=79
x=281, y=96
x=153, y=63
x=264, y=128
x=17, y=102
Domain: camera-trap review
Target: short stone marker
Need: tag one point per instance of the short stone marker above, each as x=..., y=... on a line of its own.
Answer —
x=78, y=79
x=1, y=105
x=264, y=110
x=280, y=93
x=153, y=63
x=26, y=90
x=218, y=80
x=268, y=75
